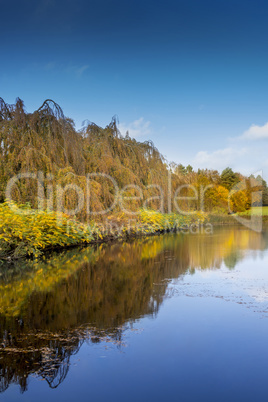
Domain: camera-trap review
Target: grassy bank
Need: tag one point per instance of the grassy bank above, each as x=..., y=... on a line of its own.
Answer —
x=253, y=213
x=25, y=232
x=256, y=211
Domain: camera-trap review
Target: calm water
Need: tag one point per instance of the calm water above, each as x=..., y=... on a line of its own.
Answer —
x=170, y=318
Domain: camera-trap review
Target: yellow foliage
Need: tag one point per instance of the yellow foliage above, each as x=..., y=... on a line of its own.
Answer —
x=24, y=231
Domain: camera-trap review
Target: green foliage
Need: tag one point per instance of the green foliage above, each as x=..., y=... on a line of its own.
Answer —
x=256, y=211
x=228, y=178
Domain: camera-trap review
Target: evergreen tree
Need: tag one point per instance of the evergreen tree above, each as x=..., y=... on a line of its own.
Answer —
x=228, y=178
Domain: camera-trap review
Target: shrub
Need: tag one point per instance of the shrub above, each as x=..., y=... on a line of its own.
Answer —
x=26, y=232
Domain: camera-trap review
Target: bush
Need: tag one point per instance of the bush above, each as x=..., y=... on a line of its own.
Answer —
x=26, y=232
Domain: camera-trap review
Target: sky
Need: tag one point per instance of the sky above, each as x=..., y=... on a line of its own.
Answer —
x=190, y=75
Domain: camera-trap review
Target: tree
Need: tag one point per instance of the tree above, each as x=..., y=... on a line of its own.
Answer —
x=189, y=169
x=240, y=201
x=228, y=178
x=181, y=169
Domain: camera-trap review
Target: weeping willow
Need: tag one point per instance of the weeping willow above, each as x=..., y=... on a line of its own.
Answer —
x=46, y=141
x=43, y=141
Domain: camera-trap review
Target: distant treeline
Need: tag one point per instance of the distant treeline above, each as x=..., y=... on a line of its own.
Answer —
x=47, y=142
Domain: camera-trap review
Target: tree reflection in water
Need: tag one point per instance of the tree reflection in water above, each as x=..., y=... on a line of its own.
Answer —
x=50, y=308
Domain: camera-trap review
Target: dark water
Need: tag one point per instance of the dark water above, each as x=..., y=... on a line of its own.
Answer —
x=170, y=318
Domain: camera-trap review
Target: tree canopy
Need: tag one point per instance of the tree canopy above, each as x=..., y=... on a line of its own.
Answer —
x=46, y=141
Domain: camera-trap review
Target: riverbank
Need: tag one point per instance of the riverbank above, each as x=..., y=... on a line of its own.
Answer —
x=229, y=220
x=25, y=232
x=28, y=233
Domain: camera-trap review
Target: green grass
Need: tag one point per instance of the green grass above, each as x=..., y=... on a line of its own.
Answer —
x=257, y=211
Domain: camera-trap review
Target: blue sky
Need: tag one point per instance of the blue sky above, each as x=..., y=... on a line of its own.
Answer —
x=190, y=75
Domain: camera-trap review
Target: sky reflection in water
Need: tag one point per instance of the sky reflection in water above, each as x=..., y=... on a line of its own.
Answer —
x=173, y=317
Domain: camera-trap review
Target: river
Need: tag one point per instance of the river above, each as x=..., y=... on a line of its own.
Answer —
x=175, y=317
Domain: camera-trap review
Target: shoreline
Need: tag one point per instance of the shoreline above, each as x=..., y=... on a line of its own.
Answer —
x=138, y=231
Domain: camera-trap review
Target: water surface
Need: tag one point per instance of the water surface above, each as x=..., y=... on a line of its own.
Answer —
x=173, y=317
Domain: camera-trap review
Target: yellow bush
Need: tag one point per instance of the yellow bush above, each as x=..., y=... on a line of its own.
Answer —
x=24, y=231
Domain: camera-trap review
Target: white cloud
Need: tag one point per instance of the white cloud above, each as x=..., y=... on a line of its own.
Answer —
x=245, y=153
x=137, y=128
x=76, y=69
x=256, y=132
x=218, y=159
x=80, y=70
